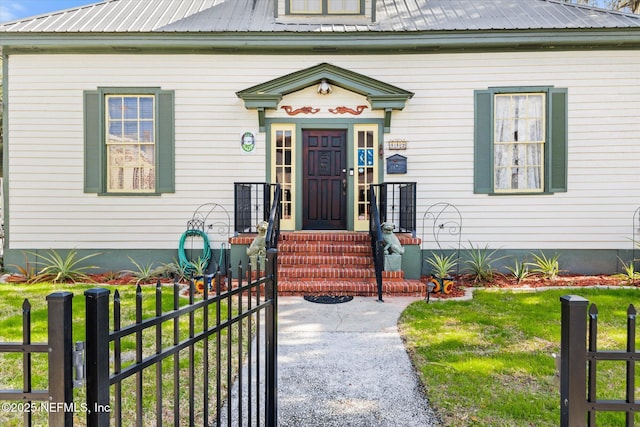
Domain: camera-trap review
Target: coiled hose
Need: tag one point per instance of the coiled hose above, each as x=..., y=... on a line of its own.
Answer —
x=186, y=265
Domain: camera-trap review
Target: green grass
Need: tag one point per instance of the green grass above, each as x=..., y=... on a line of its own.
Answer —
x=11, y=300
x=488, y=361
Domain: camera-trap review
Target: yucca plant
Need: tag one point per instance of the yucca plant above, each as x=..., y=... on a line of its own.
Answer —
x=519, y=271
x=26, y=272
x=628, y=270
x=549, y=268
x=198, y=267
x=480, y=263
x=442, y=265
x=144, y=273
x=62, y=269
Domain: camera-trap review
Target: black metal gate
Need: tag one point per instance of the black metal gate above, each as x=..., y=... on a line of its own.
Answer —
x=579, y=358
x=172, y=366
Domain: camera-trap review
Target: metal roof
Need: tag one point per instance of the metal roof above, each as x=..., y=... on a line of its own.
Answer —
x=219, y=16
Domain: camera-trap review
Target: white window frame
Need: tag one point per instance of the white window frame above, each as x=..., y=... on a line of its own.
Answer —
x=130, y=155
x=324, y=7
x=519, y=142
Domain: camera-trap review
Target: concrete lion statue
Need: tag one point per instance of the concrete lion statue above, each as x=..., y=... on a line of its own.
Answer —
x=392, y=243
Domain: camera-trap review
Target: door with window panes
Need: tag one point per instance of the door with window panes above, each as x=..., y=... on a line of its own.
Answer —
x=365, y=172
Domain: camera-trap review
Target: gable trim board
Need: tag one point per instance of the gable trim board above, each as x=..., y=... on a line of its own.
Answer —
x=314, y=43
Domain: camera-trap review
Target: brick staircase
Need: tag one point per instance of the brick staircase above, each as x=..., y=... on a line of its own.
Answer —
x=335, y=263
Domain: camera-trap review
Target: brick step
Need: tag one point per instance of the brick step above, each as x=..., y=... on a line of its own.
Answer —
x=413, y=288
x=350, y=237
x=321, y=272
x=324, y=248
x=342, y=273
x=333, y=261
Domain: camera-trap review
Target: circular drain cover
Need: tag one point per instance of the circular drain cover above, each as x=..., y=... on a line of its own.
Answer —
x=327, y=299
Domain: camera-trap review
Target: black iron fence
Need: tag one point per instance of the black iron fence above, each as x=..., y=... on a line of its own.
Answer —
x=397, y=205
x=56, y=402
x=175, y=364
x=579, y=403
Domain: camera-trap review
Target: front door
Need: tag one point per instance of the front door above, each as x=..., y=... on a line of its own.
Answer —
x=325, y=179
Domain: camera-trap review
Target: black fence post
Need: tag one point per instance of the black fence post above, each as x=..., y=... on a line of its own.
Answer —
x=60, y=359
x=97, y=357
x=573, y=361
x=271, y=271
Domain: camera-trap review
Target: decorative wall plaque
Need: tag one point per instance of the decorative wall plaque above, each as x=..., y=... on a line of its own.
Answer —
x=342, y=110
x=306, y=110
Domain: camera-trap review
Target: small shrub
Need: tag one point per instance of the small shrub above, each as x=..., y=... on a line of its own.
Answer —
x=549, y=268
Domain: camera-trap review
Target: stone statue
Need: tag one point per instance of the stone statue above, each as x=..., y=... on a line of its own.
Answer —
x=392, y=243
x=259, y=244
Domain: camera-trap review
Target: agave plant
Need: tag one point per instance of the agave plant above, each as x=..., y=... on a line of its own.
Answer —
x=442, y=265
x=62, y=269
x=549, y=268
x=144, y=273
x=26, y=272
x=480, y=263
x=519, y=271
x=629, y=270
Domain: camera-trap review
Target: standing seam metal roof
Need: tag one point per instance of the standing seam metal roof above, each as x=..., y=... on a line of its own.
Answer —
x=134, y=16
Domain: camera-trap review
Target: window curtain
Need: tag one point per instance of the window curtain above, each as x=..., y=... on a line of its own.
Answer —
x=518, y=142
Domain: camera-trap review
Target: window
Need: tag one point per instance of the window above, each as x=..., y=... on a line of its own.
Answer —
x=129, y=141
x=283, y=170
x=366, y=155
x=520, y=140
x=325, y=7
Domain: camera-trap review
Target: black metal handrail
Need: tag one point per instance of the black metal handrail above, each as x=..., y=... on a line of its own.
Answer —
x=377, y=241
x=251, y=205
x=273, y=230
x=397, y=205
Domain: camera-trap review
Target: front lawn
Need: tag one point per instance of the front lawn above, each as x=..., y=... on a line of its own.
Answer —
x=489, y=361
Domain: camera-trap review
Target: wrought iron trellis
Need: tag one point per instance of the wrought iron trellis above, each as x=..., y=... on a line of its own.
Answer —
x=636, y=240
x=446, y=221
x=213, y=220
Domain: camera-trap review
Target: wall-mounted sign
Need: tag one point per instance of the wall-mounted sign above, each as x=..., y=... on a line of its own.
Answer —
x=397, y=144
x=248, y=142
x=396, y=164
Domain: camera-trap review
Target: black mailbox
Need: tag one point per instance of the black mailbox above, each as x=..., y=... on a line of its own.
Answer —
x=396, y=164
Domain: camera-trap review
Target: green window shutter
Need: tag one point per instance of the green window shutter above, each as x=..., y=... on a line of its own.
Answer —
x=93, y=172
x=483, y=142
x=558, y=132
x=166, y=143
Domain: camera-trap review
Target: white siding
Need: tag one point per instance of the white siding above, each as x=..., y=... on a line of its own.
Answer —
x=48, y=208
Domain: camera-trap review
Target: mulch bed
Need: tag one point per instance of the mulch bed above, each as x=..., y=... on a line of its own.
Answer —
x=461, y=283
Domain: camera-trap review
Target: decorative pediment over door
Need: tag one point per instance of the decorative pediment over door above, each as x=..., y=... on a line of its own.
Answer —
x=380, y=95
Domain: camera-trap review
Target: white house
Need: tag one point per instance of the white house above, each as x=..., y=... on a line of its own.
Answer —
x=123, y=117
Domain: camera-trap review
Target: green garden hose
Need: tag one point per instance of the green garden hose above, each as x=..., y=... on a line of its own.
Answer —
x=185, y=264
